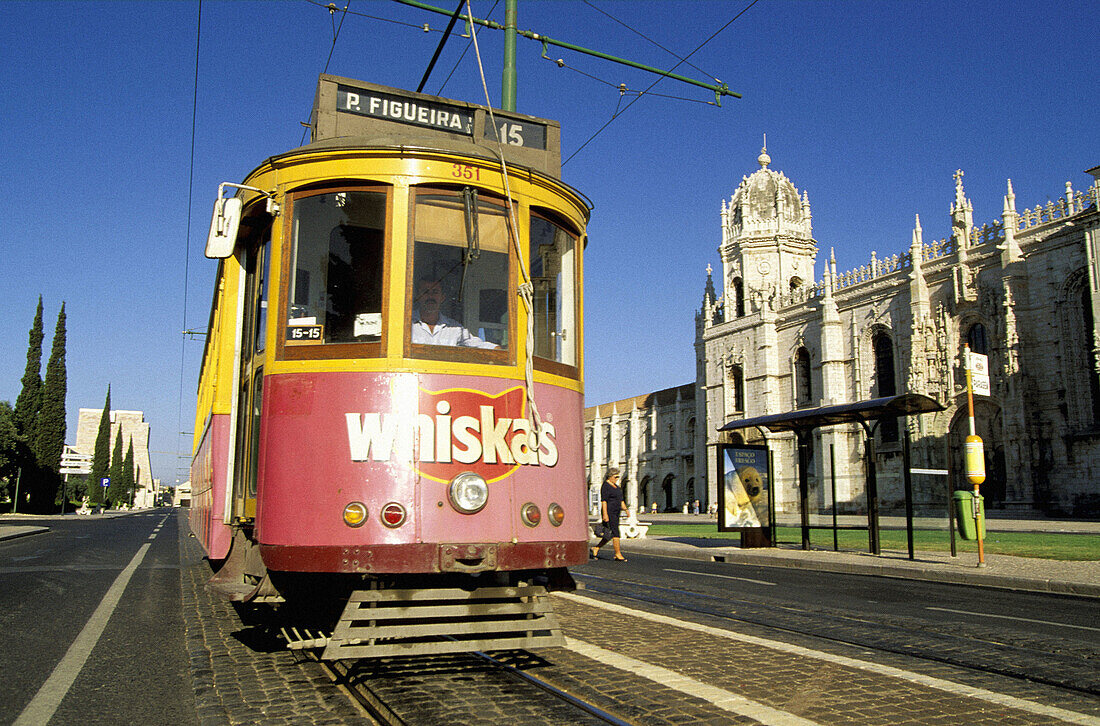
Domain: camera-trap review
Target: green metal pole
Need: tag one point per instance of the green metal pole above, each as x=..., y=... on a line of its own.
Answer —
x=508, y=78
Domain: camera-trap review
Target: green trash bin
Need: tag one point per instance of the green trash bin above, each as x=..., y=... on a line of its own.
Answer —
x=964, y=514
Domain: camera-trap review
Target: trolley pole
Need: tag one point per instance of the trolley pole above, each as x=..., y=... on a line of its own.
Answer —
x=508, y=77
x=975, y=461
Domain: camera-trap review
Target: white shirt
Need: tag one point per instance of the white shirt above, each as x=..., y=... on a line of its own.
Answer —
x=445, y=332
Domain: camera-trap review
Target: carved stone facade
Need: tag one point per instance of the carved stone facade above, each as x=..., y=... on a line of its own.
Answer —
x=652, y=440
x=1025, y=290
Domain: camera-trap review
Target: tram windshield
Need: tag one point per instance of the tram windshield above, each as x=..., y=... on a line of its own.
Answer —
x=553, y=268
x=337, y=258
x=460, y=271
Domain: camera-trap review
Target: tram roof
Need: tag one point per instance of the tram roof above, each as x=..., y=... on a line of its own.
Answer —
x=906, y=404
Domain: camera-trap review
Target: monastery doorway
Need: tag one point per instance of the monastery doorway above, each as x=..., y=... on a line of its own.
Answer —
x=988, y=425
x=666, y=487
x=646, y=497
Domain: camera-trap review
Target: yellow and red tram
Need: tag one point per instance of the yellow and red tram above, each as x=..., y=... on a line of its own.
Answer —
x=391, y=393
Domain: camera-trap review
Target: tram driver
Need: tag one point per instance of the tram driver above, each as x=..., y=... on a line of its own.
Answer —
x=431, y=327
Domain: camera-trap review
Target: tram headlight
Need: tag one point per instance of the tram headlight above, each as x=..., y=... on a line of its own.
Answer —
x=355, y=514
x=556, y=514
x=468, y=492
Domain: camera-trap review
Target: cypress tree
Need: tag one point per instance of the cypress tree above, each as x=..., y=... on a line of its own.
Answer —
x=29, y=400
x=128, y=473
x=101, y=460
x=115, y=492
x=49, y=439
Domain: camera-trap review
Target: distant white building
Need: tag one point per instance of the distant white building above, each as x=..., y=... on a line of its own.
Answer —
x=651, y=439
x=182, y=495
x=132, y=427
x=1024, y=290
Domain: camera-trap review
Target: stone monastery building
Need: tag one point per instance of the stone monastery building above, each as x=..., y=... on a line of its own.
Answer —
x=1024, y=289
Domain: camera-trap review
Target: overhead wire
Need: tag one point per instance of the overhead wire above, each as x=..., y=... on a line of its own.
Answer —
x=647, y=38
x=464, y=52
x=659, y=79
x=187, y=235
x=331, y=7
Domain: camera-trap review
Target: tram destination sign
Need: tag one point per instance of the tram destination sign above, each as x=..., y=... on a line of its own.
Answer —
x=454, y=119
x=412, y=111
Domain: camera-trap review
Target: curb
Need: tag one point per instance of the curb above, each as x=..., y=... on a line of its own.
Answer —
x=16, y=532
x=733, y=555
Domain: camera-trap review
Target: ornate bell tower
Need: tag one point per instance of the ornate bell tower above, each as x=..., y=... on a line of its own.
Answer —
x=767, y=248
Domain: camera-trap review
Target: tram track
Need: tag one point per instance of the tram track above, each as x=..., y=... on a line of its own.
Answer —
x=974, y=651
x=360, y=679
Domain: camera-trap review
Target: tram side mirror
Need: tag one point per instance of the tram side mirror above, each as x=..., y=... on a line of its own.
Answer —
x=223, y=228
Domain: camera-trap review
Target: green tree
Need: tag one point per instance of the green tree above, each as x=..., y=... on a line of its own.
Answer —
x=128, y=472
x=115, y=493
x=101, y=456
x=49, y=435
x=29, y=400
x=13, y=450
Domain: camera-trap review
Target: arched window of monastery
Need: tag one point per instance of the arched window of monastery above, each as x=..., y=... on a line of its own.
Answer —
x=671, y=436
x=738, y=297
x=803, y=385
x=691, y=432
x=796, y=283
x=607, y=442
x=626, y=439
x=975, y=338
x=1078, y=342
x=1094, y=383
x=735, y=390
x=884, y=386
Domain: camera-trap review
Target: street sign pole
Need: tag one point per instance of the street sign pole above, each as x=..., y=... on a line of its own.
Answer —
x=975, y=454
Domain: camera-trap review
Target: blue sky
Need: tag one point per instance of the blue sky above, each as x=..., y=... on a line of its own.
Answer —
x=868, y=106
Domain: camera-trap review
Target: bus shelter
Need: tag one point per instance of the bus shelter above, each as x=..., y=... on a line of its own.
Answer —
x=867, y=414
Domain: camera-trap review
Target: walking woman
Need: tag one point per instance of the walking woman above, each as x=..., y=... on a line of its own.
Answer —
x=611, y=504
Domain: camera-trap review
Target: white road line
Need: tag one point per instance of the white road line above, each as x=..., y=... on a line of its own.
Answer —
x=41, y=709
x=938, y=683
x=726, y=700
x=1011, y=617
x=724, y=577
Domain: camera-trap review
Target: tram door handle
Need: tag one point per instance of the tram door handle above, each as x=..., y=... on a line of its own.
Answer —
x=558, y=334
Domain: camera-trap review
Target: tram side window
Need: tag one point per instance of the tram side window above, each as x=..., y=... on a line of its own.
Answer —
x=460, y=285
x=337, y=258
x=553, y=268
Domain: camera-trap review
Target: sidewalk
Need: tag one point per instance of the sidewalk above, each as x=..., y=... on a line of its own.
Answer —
x=1017, y=573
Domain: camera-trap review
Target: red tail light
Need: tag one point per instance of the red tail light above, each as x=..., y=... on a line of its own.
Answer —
x=393, y=515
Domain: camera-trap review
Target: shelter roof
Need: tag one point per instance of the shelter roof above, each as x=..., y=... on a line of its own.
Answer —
x=906, y=404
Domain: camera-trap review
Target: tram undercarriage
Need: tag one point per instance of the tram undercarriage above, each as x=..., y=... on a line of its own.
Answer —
x=376, y=615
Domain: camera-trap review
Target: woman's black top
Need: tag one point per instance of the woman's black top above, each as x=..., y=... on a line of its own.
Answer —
x=613, y=496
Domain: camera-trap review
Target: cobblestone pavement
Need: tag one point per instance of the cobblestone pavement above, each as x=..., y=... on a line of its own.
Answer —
x=797, y=681
x=241, y=674
x=638, y=666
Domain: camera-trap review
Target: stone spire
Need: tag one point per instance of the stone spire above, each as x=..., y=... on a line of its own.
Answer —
x=764, y=159
x=1010, y=250
x=918, y=288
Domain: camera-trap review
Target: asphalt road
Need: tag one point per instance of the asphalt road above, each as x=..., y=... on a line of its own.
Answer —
x=1035, y=636
x=90, y=613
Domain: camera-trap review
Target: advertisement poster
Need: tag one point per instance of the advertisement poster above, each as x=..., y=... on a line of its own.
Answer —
x=746, y=487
